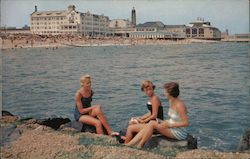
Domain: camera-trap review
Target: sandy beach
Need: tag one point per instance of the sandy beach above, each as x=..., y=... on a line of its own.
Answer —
x=14, y=41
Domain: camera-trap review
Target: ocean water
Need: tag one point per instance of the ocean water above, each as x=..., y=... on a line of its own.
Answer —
x=213, y=78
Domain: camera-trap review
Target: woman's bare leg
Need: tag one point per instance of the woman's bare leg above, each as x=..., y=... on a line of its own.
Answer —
x=153, y=125
x=138, y=137
x=97, y=111
x=133, y=128
x=92, y=121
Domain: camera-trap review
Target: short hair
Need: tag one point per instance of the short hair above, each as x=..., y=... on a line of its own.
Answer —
x=172, y=88
x=84, y=78
x=146, y=84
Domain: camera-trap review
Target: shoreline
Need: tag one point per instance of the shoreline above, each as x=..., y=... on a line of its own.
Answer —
x=18, y=41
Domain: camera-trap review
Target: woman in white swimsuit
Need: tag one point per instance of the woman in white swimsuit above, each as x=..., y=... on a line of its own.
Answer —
x=174, y=127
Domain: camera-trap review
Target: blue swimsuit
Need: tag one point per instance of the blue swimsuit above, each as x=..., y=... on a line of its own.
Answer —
x=86, y=102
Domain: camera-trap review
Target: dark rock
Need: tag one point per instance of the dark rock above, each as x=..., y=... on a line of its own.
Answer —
x=9, y=133
x=6, y=113
x=245, y=141
x=54, y=123
x=162, y=141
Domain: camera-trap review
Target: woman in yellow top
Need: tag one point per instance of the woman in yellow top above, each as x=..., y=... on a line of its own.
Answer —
x=175, y=127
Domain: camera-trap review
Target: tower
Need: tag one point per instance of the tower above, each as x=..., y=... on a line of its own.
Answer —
x=133, y=17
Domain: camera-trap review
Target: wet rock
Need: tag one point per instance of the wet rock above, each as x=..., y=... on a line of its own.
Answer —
x=54, y=123
x=245, y=141
x=162, y=141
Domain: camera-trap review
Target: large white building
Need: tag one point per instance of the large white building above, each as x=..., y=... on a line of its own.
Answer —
x=121, y=27
x=201, y=29
x=68, y=22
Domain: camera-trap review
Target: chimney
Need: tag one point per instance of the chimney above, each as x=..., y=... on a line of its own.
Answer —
x=35, y=8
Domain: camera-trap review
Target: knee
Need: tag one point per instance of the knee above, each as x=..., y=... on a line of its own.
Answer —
x=152, y=123
x=130, y=129
x=98, y=124
x=98, y=109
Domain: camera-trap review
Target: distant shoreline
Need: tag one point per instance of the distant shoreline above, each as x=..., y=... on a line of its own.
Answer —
x=54, y=42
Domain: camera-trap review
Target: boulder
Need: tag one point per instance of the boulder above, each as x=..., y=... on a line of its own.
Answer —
x=245, y=141
x=9, y=133
x=6, y=113
x=161, y=141
x=54, y=123
x=80, y=127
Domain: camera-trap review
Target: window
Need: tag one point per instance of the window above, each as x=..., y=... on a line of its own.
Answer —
x=194, y=31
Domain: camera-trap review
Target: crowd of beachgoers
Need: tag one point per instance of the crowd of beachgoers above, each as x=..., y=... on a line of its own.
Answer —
x=14, y=41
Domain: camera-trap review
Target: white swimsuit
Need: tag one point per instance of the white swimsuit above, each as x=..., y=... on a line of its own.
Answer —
x=179, y=133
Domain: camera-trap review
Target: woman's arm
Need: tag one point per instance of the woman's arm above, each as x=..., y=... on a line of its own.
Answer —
x=144, y=116
x=80, y=106
x=155, y=107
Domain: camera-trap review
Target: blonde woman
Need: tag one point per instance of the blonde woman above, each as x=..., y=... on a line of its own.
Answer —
x=155, y=111
x=175, y=127
x=85, y=112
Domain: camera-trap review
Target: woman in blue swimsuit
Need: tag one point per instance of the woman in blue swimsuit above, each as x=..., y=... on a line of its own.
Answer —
x=174, y=127
x=85, y=112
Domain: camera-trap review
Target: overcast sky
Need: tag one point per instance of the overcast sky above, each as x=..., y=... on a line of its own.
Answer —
x=223, y=14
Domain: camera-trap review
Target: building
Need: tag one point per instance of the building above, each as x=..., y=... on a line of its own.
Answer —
x=201, y=29
x=178, y=30
x=133, y=17
x=120, y=27
x=153, y=30
x=68, y=22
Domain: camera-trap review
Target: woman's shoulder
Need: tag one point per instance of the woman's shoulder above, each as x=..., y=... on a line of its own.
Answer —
x=156, y=97
x=78, y=93
x=180, y=105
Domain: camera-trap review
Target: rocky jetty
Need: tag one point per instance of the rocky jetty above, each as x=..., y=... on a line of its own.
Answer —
x=31, y=138
x=244, y=144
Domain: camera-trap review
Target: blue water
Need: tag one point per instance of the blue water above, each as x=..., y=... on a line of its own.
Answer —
x=214, y=83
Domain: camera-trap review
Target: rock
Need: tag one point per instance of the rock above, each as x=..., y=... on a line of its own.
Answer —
x=80, y=127
x=7, y=117
x=9, y=133
x=162, y=141
x=245, y=141
x=54, y=123
x=6, y=113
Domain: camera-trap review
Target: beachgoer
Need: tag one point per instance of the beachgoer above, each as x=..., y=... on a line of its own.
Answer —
x=174, y=128
x=155, y=111
x=87, y=113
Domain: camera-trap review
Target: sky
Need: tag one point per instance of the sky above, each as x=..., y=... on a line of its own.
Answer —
x=223, y=14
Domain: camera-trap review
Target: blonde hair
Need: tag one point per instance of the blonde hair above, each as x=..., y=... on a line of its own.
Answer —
x=146, y=83
x=84, y=78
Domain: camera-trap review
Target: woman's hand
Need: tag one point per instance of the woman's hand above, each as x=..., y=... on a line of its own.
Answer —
x=165, y=124
x=141, y=121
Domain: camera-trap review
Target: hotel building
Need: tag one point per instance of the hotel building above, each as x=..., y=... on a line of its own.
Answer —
x=201, y=29
x=68, y=22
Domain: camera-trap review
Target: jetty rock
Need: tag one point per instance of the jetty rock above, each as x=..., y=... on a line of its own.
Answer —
x=244, y=144
x=161, y=141
x=53, y=122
